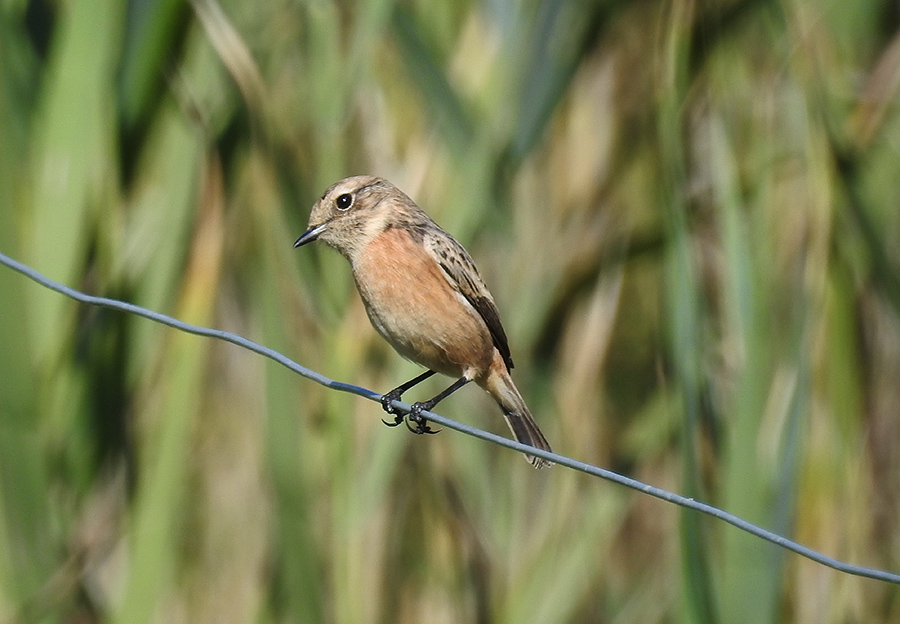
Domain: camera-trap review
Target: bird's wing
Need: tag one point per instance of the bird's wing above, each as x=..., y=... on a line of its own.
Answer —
x=460, y=271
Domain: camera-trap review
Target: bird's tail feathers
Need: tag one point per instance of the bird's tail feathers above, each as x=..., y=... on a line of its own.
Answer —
x=518, y=417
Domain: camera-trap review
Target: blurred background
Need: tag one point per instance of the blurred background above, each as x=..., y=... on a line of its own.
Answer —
x=686, y=210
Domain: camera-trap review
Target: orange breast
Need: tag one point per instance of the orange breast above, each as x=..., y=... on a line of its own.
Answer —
x=413, y=306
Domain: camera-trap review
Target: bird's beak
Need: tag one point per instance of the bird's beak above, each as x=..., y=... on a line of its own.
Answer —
x=310, y=235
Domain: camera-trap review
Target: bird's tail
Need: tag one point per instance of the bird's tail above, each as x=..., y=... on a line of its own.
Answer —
x=500, y=385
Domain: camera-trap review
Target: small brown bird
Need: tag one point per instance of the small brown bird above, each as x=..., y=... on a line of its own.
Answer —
x=424, y=295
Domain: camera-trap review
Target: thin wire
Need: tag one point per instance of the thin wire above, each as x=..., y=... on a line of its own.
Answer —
x=687, y=503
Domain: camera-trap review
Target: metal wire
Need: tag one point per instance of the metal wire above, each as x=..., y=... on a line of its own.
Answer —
x=562, y=460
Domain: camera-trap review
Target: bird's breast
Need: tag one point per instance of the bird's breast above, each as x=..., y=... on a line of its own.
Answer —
x=414, y=307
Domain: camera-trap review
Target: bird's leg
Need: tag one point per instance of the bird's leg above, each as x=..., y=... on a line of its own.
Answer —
x=396, y=393
x=416, y=409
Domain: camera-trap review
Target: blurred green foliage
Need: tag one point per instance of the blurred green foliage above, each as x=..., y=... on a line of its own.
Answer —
x=687, y=212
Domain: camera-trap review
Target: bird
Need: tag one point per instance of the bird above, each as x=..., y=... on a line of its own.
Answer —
x=424, y=296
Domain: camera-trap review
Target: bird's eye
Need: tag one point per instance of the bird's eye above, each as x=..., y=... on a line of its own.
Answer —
x=343, y=201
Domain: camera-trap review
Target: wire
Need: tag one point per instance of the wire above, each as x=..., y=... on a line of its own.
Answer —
x=562, y=460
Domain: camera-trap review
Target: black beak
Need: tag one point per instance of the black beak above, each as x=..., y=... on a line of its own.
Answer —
x=309, y=235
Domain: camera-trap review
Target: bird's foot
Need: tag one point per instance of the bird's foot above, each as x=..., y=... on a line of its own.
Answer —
x=387, y=399
x=421, y=424
x=415, y=422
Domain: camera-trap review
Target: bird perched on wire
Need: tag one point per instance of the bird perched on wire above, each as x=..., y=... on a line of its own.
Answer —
x=423, y=294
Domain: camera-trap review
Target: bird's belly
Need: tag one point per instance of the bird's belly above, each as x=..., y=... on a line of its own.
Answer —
x=450, y=343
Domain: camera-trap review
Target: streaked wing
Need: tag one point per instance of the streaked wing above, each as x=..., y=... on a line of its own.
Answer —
x=460, y=271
